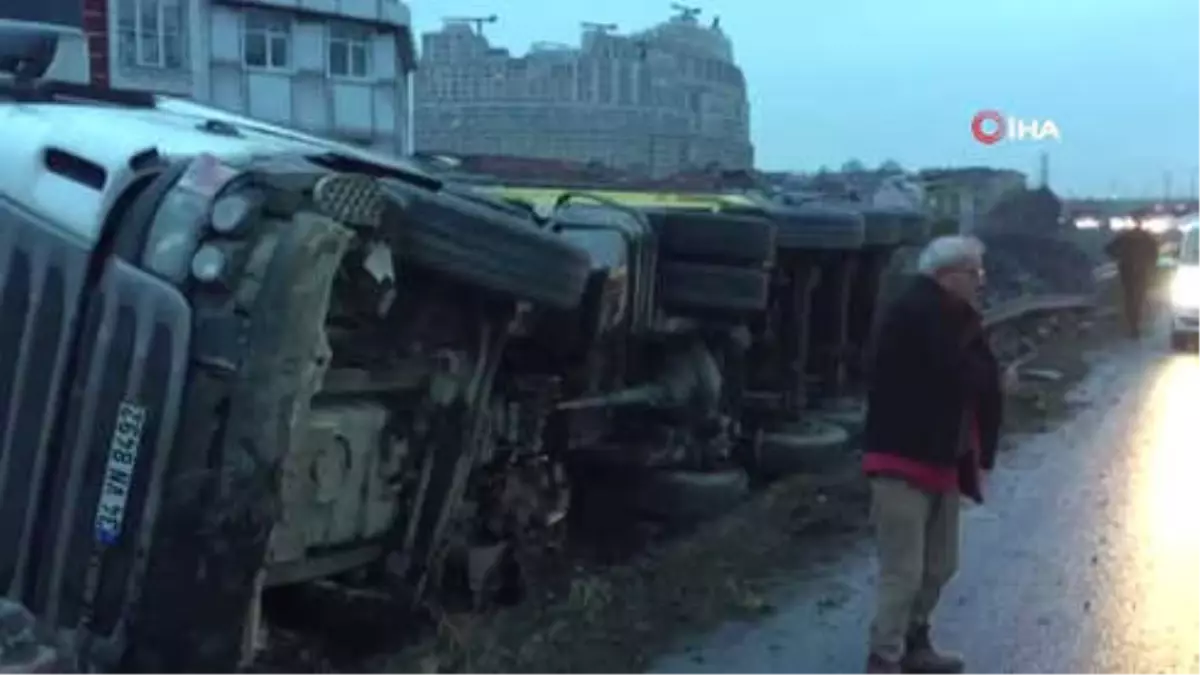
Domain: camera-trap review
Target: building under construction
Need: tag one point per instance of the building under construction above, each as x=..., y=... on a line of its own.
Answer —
x=659, y=101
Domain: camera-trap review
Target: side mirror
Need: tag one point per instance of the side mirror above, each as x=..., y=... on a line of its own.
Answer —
x=26, y=54
x=36, y=51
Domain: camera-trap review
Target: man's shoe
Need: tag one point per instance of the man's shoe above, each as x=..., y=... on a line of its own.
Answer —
x=921, y=657
x=878, y=664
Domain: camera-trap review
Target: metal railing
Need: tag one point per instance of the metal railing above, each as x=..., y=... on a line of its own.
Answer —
x=1048, y=302
x=1021, y=307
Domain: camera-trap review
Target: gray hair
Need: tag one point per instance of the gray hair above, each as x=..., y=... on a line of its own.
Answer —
x=949, y=251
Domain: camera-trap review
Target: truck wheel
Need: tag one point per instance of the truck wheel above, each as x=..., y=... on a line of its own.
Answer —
x=678, y=495
x=884, y=227
x=848, y=413
x=809, y=445
x=691, y=287
x=491, y=248
x=820, y=226
x=715, y=237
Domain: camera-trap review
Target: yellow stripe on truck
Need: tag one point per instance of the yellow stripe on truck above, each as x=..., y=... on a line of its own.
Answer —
x=546, y=197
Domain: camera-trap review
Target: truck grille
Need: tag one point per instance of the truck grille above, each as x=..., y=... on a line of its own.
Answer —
x=41, y=279
x=61, y=401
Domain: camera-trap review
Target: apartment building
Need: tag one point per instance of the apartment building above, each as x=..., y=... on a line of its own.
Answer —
x=338, y=68
x=658, y=101
x=968, y=194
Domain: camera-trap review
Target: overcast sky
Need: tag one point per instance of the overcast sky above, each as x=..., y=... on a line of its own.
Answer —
x=832, y=80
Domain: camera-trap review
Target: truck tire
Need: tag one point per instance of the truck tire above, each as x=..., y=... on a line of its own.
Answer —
x=820, y=226
x=807, y=446
x=693, y=287
x=885, y=227
x=848, y=413
x=715, y=237
x=916, y=228
x=684, y=496
x=488, y=247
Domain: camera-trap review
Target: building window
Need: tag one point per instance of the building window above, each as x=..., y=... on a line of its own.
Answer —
x=266, y=41
x=152, y=33
x=349, y=51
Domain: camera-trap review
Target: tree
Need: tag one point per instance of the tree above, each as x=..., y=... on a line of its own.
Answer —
x=853, y=166
x=891, y=167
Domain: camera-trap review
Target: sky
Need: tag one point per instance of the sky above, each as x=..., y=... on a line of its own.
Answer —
x=834, y=80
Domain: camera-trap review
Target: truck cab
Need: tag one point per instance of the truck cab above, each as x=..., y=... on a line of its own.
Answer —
x=234, y=356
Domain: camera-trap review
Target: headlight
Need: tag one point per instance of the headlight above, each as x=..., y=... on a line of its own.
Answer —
x=1185, y=287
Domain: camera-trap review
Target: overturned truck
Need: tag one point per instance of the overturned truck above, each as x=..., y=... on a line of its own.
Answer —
x=235, y=357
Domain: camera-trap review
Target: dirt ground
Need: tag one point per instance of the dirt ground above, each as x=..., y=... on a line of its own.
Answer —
x=616, y=618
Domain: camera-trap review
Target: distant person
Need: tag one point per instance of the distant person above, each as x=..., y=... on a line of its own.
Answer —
x=933, y=418
x=1136, y=253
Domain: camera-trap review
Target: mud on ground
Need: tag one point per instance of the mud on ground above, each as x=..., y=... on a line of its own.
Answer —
x=618, y=617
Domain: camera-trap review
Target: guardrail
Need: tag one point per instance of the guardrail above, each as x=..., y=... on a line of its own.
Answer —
x=1039, y=303
x=1015, y=309
x=1104, y=272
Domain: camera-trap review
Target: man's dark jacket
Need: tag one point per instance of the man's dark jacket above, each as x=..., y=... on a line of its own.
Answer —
x=1136, y=253
x=931, y=369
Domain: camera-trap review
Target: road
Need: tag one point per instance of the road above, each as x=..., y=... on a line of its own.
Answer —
x=1086, y=557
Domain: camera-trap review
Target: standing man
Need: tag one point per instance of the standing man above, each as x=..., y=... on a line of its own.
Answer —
x=933, y=418
x=1136, y=253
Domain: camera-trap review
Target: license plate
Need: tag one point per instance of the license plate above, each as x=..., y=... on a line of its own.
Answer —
x=118, y=472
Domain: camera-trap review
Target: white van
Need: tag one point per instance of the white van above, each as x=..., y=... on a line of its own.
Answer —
x=1185, y=291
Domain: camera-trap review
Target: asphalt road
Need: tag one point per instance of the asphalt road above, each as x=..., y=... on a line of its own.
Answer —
x=1085, y=559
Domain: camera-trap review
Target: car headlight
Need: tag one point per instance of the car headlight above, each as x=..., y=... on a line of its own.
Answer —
x=1185, y=287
